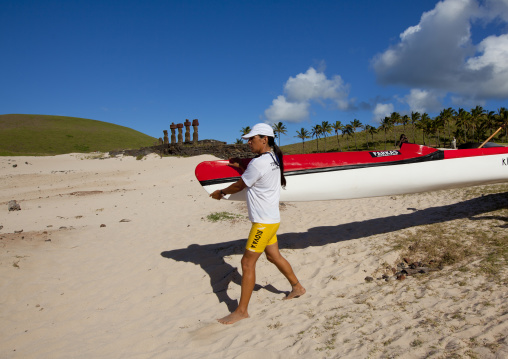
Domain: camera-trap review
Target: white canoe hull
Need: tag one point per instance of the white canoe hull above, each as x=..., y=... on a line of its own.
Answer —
x=389, y=180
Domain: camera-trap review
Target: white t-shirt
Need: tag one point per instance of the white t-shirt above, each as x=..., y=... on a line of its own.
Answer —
x=262, y=178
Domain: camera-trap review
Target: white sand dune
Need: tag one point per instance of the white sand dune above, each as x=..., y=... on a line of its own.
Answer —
x=116, y=259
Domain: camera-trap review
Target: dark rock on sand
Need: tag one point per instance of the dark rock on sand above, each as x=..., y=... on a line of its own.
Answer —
x=14, y=206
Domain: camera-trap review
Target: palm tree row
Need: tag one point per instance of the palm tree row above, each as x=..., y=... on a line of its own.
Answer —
x=465, y=126
x=325, y=128
x=475, y=125
x=468, y=126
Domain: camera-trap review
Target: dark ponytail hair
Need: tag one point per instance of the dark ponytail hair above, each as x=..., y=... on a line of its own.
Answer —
x=278, y=153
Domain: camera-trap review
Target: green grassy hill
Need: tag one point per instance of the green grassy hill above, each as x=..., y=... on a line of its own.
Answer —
x=39, y=135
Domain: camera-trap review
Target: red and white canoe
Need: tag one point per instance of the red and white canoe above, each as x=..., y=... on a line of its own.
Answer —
x=342, y=175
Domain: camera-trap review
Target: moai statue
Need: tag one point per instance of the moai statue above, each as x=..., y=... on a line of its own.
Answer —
x=187, y=124
x=195, y=124
x=160, y=141
x=166, y=139
x=180, y=137
x=173, y=135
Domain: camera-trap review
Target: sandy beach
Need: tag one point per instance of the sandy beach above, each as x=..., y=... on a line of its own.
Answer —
x=116, y=258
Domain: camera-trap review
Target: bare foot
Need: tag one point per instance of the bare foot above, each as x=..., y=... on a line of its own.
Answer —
x=297, y=291
x=233, y=318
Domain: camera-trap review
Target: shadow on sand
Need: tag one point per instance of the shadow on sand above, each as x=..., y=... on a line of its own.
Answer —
x=211, y=256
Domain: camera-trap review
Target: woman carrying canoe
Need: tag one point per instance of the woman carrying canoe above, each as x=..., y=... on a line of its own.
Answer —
x=263, y=179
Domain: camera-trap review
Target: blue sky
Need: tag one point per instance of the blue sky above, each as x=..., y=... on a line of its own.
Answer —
x=231, y=64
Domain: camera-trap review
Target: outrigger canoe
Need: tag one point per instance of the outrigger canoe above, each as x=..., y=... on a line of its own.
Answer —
x=344, y=175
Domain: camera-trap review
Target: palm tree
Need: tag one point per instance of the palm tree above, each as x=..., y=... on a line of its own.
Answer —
x=302, y=134
x=485, y=124
x=279, y=128
x=404, y=121
x=395, y=118
x=347, y=131
x=244, y=131
x=447, y=116
x=366, y=129
x=337, y=126
x=425, y=125
x=372, y=131
x=386, y=125
x=415, y=117
x=326, y=128
x=491, y=122
x=502, y=115
x=436, y=126
x=239, y=141
x=462, y=122
x=354, y=125
x=477, y=114
x=316, y=132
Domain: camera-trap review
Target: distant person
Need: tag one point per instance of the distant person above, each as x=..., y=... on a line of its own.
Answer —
x=263, y=178
x=454, y=143
x=402, y=139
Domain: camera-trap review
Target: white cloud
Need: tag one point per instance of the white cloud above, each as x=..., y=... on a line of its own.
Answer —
x=497, y=9
x=423, y=101
x=438, y=53
x=314, y=85
x=410, y=31
x=492, y=63
x=304, y=89
x=432, y=51
x=282, y=110
x=381, y=111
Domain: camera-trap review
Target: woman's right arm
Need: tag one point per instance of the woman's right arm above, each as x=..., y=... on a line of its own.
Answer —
x=234, y=188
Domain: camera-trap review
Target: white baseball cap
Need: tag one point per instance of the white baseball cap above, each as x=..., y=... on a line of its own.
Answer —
x=259, y=129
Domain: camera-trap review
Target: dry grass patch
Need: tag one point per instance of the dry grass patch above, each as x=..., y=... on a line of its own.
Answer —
x=478, y=244
x=224, y=216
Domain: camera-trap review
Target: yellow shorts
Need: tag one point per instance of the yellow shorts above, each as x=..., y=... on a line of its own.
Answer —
x=261, y=235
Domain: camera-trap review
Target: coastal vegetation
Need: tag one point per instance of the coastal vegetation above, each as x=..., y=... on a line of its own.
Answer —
x=465, y=126
x=38, y=135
